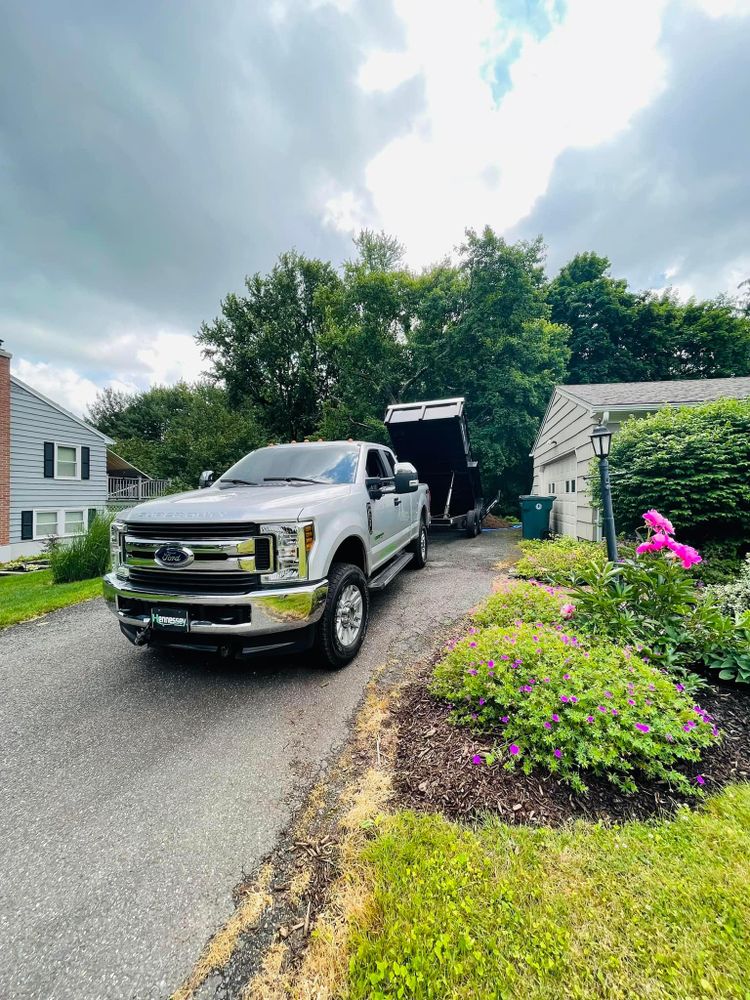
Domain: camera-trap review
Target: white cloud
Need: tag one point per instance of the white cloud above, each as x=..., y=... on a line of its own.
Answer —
x=140, y=360
x=470, y=159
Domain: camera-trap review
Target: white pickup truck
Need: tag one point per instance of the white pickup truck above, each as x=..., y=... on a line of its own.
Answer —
x=281, y=552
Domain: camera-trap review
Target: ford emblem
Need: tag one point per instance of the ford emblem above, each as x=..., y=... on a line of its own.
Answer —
x=173, y=556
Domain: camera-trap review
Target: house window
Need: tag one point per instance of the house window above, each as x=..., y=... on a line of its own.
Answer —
x=45, y=523
x=572, y=485
x=551, y=489
x=67, y=461
x=73, y=523
x=58, y=522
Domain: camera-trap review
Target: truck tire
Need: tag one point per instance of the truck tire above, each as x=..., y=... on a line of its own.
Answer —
x=342, y=629
x=419, y=547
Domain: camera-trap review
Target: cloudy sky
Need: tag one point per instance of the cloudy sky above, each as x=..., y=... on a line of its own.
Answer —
x=153, y=153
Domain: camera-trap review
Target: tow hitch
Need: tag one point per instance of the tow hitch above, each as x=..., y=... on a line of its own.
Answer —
x=143, y=636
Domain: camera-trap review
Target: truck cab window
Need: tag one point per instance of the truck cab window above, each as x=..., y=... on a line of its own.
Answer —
x=374, y=466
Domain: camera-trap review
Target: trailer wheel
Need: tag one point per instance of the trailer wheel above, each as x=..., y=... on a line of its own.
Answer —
x=473, y=527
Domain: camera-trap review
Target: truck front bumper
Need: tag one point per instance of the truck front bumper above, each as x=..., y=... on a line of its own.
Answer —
x=270, y=611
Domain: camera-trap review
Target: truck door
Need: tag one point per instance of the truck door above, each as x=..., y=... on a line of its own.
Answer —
x=385, y=513
x=404, y=503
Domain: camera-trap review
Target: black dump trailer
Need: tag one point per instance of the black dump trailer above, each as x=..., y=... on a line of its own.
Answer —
x=433, y=436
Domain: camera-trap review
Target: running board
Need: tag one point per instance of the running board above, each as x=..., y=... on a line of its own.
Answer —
x=384, y=577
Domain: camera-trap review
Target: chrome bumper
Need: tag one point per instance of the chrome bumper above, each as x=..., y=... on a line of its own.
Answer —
x=271, y=610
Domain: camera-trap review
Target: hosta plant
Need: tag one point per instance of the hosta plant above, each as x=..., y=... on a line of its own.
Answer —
x=573, y=709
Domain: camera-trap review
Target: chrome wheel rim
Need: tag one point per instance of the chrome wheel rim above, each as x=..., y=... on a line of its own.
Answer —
x=349, y=615
x=423, y=543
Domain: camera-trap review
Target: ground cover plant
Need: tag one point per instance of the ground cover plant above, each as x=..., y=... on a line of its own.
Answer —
x=588, y=910
x=561, y=561
x=571, y=709
x=529, y=601
x=28, y=595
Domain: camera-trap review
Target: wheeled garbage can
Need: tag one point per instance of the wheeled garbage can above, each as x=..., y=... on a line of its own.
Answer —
x=535, y=511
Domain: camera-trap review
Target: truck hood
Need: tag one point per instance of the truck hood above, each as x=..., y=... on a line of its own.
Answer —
x=237, y=503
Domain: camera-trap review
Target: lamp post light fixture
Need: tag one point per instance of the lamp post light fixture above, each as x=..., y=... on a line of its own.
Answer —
x=601, y=439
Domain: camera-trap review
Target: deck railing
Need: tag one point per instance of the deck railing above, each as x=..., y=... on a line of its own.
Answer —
x=122, y=488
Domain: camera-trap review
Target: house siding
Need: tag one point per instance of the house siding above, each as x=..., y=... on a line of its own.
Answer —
x=32, y=422
x=569, y=423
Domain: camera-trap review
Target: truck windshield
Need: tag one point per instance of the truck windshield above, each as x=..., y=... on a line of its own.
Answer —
x=334, y=463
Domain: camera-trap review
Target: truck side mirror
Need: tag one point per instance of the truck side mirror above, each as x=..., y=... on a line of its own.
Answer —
x=406, y=479
x=206, y=478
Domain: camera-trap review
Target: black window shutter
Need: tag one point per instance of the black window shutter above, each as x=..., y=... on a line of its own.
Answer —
x=49, y=460
x=85, y=462
x=27, y=524
x=92, y=515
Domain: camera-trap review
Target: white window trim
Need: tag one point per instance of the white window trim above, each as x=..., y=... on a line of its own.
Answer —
x=59, y=531
x=63, y=444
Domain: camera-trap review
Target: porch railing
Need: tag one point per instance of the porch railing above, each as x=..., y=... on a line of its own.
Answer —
x=122, y=488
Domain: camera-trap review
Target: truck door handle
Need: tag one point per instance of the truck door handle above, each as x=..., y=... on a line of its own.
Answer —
x=396, y=501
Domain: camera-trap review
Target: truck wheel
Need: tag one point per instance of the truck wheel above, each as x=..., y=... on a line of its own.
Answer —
x=419, y=547
x=341, y=630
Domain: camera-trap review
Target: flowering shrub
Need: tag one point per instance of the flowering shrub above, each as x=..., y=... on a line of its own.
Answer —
x=523, y=601
x=570, y=708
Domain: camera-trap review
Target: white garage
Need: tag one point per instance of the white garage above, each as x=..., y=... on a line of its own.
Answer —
x=560, y=479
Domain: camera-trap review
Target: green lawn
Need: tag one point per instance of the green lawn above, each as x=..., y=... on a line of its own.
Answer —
x=641, y=910
x=30, y=594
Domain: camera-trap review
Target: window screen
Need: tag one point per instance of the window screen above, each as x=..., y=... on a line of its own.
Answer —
x=67, y=462
x=46, y=522
x=73, y=522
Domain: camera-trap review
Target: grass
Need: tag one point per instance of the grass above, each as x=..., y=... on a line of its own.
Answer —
x=31, y=594
x=649, y=910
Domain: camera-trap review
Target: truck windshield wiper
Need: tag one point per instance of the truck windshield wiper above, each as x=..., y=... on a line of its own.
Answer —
x=238, y=482
x=292, y=479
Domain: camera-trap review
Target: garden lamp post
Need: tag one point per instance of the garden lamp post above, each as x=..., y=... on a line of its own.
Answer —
x=601, y=438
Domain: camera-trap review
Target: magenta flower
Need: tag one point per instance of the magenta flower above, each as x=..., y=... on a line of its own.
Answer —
x=472, y=644
x=566, y=677
x=472, y=672
x=555, y=718
x=558, y=754
x=476, y=759
x=630, y=701
x=481, y=701
x=608, y=694
x=601, y=708
x=568, y=610
x=642, y=727
x=548, y=725
x=563, y=697
x=656, y=520
x=513, y=750
x=573, y=699
x=700, y=780
x=490, y=663
x=589, y=718
x=504, y=718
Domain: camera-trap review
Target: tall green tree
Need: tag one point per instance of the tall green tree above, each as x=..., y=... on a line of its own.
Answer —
x=484, y=332
x=618, y=335
x=265, y=345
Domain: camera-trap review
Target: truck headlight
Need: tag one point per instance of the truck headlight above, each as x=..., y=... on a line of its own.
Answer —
x=292, y=544
x=117, y=548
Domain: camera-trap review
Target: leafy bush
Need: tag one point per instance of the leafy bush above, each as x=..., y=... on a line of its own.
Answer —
x=734, y=598
x=722, y=561
x=531, y=602
x=571, y=709
x=560, y=561
x=693, y=463
x=86, y=555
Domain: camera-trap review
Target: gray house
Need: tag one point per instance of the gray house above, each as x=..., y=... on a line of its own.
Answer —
x=562, y=450
x=53, y=468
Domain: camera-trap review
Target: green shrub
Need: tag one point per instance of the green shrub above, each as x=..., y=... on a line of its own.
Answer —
x=734, y=598
x=692, y=463
x=560, y=561
x=83, y=556
x=530, y=602
x=571, y=709
x=722, y=561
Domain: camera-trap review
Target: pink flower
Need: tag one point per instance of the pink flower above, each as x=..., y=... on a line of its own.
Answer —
x=558, y=754
x=700, y=780
x=513, y=750
x=476, y=759
x=644, y=547
x=555, y=718
x=568, y=610
x=656, y=520
x=642, y=727
x=548, y=725
x=589, y=718
x=687, y=555
x=504, y=718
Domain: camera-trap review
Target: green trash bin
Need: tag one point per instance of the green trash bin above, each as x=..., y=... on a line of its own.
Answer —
x=535, y=513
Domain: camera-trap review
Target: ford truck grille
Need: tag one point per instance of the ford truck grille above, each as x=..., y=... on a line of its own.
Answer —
x=194, y=531
x=189, y=582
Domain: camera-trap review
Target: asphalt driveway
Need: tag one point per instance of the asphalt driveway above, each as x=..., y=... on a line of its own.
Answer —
x=138, y=788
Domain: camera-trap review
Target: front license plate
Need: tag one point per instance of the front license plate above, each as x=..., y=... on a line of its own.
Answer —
x=174, y=619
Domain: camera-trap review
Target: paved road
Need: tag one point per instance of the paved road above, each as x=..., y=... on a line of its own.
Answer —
x=137, y=788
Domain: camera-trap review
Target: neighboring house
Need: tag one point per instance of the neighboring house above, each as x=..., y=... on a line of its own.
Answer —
x=128, y=483
x=53, y=468
x=562, y=451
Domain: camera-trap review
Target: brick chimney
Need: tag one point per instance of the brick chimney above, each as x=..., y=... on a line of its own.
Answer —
x=4, y=446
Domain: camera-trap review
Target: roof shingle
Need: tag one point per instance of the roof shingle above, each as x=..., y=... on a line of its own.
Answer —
x=679, y=392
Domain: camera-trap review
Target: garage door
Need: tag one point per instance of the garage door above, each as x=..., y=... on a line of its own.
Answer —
x=559, y=477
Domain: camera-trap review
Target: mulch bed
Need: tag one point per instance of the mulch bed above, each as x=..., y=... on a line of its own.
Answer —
x=434, y=772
